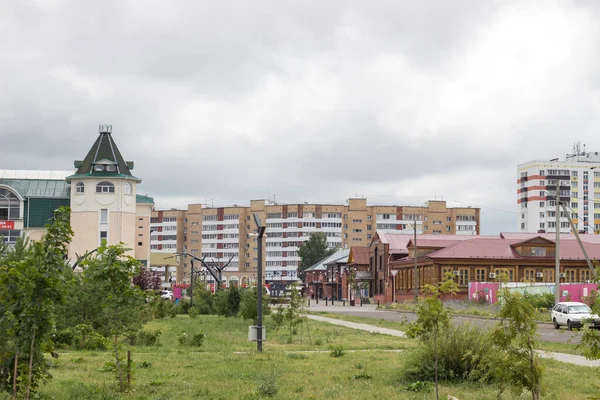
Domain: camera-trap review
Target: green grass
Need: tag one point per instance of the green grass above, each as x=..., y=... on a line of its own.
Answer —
x=228, y=367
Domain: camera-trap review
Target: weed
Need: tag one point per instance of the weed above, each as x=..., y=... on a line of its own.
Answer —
x=77, y=360
x=359, y=366
x=268, y=387
x=156, y=382
x=145, y=364
x=337, y=351
x=318, y=341
x=362, y=376
x=419, y=386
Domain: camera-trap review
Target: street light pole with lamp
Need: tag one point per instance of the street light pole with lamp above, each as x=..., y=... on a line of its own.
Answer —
x=259, y=294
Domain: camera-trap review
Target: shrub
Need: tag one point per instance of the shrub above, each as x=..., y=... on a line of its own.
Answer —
x=337, y=351
x=80, y=337
x=193, y=312
x=419, y=386
x=203, y=300
x=144, y=338
x=462, y=355
x=194, y=340
x=268, y=387
x=248, y=305
x=540, y=300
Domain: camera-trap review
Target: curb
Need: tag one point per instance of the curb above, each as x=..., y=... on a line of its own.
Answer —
x=460, y=315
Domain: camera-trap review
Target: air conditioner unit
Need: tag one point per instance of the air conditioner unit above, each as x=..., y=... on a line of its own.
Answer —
x=457, y=273
x=493, y=275
x=539, y=274
x=561, y=275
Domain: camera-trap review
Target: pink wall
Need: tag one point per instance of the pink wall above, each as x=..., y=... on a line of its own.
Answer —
x=577, y=291
x=568, y=291
x=176, y=293
x=484, y=292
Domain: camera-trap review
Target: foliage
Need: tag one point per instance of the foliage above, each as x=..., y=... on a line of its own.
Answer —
x=433, y=317
x=32, y=277
x=248, y=306
x=122, y=303
x=515, y=339
x=278, y=318
x=418, y=386
x=294, y=312
x=313, y=250
x=144, y=338
x=194, y=340
x=146, y=280
x=80, y=337
x=337, y=351
x=203, y=300
x=540, y=300
x=268, y=387
x=462, y=353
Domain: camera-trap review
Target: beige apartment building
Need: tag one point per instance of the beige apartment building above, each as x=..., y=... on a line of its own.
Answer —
x=225, y=234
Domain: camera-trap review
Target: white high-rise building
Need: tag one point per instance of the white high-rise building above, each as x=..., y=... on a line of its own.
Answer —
x=579, y=178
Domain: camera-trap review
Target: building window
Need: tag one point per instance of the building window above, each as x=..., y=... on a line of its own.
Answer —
x=140, y=243
x=128, y=188
x=480, y=275
x=103, y=237
x=104, y=216
x=10, y=205
x=105, y=187
x=79, y=187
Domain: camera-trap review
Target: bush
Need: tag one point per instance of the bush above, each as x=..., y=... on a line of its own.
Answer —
x=194, y=340
x=268, y=387
x=248, y=308
x=203, y=301
x=337, y=351
x=540, y=300
x=193, y=312
x=227, y=302
x=462, y=355
x=143, y=338
x=80, y=337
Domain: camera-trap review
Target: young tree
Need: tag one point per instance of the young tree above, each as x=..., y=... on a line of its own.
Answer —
x=122, y=303
x=294, y=312
x=146, y=280
x=31, y=277
x=313, y=250
x=516, y=338
x=433, y=317
x=248, y=309
x=590, y=339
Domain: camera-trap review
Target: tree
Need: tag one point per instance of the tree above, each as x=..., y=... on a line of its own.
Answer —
x=314, y=250
x=248, y=309
x=516, y=338
x=433, y=317
x=122, y=303
x=590, y=339
x=32, y=277
x=295, y=310
x=146, y=280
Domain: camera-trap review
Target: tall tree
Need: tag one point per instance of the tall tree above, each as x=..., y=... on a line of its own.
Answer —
x=32, y=277
x=313, y=250
x=146, y=280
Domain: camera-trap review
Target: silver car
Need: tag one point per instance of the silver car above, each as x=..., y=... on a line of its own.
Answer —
x=573, y=315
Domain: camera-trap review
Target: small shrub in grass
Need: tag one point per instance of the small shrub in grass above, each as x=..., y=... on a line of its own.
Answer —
x=144, y=338
x=80, y=337
x=419, y=386
x=268, y=387
x=145, y=364
x=173, y=312
x=156, y=382
x=337, y=351
x=362, y=376
x=463, y=354
x=194, y=340
x=319, y=341
x=193, y=312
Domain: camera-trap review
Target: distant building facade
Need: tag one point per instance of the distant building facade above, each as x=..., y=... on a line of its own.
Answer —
x=579, y=188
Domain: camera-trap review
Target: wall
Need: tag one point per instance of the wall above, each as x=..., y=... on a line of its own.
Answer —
x=569, y=291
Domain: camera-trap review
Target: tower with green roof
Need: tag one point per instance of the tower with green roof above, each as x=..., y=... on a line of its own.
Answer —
x=103, y=198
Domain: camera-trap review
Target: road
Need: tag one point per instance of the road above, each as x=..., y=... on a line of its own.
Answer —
x=546, y=332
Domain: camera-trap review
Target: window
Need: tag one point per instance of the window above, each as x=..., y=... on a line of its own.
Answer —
x=585, y=275
x=103, y=237
x=369, y=217
x=79, y=187
x=570, y=275
x=463, y=277
x=480, y=274
x=104, y=216
x=530, y=274
x=105, y=187
x=292, y=214
x=98, y=168
x=369, y=227
x=357, y=221
x=448, y=219
x=10, y=205
x=542, y=204
x=128, y=188
x=542, y=214
x=140, y=243
x=542, y=225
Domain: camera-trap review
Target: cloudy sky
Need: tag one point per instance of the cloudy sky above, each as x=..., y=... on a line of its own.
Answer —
x=318, y=101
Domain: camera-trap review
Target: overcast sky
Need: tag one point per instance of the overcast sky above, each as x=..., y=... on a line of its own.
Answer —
x=317, y=101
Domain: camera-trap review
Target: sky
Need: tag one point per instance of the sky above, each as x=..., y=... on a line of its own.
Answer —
x=304, y=101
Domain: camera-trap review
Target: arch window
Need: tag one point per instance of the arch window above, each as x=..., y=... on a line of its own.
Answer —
x=10, y=205
x=79, y=187
x=105, y=187
x=128, y=188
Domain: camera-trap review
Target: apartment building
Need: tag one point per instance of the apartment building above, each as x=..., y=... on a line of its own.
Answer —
x=225, y=235
x=578, y=175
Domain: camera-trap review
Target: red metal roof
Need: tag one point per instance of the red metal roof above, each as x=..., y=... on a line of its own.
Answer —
x=360, y=254
x=397, y=241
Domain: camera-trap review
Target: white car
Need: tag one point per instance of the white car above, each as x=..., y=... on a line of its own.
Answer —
x=166, y=294
x=573, y=315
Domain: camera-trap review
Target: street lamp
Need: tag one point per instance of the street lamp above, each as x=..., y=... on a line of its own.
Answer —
x=394, y=272
x=259, y=317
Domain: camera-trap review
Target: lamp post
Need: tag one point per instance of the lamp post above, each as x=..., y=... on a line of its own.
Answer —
x=394, y=272
x=259, y=273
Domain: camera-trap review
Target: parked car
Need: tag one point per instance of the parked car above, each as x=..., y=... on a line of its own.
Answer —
x=166, y=294
x=572, y=315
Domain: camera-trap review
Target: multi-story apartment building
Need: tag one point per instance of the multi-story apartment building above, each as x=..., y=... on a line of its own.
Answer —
x=226, y=235
x=578, y=175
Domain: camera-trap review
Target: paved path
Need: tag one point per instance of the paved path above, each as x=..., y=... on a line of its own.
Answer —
x=546, y=332
x=566, y=358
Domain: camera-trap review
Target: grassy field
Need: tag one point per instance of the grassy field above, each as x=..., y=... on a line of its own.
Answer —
x=228, y=367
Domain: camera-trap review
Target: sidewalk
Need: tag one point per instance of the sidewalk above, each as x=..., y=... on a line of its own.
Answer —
x=562, y=357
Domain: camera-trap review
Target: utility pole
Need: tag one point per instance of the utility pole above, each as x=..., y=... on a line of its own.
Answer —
x=415, y=273
x=259, y=307
x=557, y=260
x=192, y=285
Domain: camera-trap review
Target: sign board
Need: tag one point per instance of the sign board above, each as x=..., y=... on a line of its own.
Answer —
x=7, y=224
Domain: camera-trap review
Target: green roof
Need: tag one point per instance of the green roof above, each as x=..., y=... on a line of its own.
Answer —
x=105, y=152
x=143, y=199
x=39, y=187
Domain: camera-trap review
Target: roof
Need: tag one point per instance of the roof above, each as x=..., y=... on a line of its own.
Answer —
x=550, y=236
x=104, y=151
x=320, y=266
x=359, y=255
x=398, y=241
x=144, y=199
x=34, y=174
x=39, y=187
